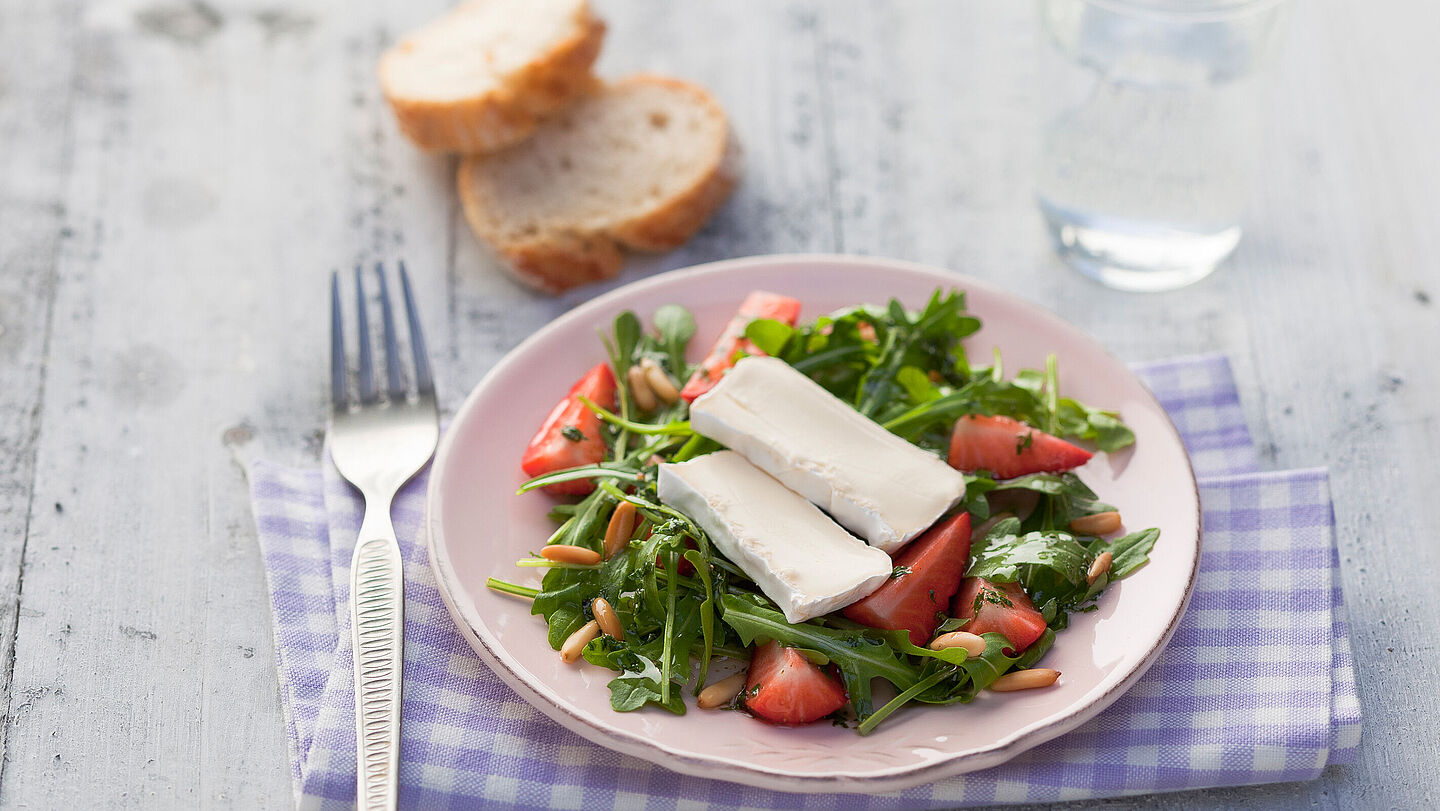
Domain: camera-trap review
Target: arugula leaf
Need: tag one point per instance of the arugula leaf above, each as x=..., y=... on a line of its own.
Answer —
x=1010, y=558
x=627, y=337
x=769, y=336
x=1103, y=427
x=929, y=339
x=918, y=386
x=949, y=676
x=1131, y=552
x=676, y=327
x=1070, y=498
x=631, y=691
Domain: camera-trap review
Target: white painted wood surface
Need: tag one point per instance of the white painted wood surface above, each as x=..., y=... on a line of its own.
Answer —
x=177, y=178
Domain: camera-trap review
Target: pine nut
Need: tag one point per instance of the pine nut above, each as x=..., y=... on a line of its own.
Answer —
x=640, y=389
x=721, y=692
x=659, y=381
x=973, y=644
x=575, y=644
x=1099, y=567
x=609, y=622
x=622, y=525
x=565, y=553
x=1097, y=524
x=1025, y=680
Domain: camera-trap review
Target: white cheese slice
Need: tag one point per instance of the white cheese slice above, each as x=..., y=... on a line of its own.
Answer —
x=874, y=483
x=800, y=558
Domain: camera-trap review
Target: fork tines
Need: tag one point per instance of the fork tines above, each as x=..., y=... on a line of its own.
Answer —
x=395, y=388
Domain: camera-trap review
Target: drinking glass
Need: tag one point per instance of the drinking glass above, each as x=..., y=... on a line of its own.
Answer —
x=1154, y=119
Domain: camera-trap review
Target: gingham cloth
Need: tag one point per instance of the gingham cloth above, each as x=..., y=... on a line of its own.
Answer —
x=1255, y=687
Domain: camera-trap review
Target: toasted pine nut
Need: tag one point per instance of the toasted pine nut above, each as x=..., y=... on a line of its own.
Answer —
x=1097, y=524
x=622, y=524
x=565, y=553
x=1025, y=680
x=1099, y=567
x=605, y=615
x=640, y=389
x=988, y=524
x=973, y=644
x=659, y=381
x=721, y=692
x=570, y=651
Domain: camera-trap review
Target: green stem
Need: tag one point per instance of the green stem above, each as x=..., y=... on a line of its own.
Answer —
x=575, y=474
x=669, y=630
x=1052, y=392
x=546, y=563
x=677, y=428
x=868, y=725
x=694, y=446
x=511, y=588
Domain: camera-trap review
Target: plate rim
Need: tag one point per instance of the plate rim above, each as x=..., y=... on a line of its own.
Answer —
x=731, y=770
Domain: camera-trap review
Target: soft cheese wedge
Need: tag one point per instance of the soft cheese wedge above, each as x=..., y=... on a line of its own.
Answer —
x=801, y=559
x=874, y=483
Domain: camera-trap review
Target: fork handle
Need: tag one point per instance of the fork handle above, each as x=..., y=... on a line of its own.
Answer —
x=377, y=622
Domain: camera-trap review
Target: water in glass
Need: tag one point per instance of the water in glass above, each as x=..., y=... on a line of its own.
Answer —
x=1154, y=128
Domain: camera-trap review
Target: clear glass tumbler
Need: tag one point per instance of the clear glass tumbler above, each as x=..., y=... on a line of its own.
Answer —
x=1154, y=119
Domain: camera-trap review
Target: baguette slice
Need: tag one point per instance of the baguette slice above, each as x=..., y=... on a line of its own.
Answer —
x=640, y=163
x=481, y=76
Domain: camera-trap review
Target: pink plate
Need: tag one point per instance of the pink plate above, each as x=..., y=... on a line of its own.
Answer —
x=479, y=528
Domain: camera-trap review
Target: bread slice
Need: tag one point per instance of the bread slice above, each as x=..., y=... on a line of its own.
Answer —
x=480, y=77
x=641, y=163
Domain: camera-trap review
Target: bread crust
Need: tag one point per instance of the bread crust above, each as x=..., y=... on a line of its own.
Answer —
x=558, y=260
x=509, y=113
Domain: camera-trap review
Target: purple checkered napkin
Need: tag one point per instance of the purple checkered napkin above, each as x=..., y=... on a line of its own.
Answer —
x=1255, y=687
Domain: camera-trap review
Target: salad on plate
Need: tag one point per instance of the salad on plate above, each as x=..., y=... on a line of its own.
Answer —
x=848, y=507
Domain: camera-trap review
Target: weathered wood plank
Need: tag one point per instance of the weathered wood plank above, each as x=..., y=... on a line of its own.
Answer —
x=144, y=646
x=36, y=69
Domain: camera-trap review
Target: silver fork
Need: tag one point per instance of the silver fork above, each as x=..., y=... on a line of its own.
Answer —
x=379, y=441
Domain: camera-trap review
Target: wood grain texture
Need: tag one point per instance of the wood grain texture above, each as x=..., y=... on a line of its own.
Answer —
x=178, y=178
x=35, y=107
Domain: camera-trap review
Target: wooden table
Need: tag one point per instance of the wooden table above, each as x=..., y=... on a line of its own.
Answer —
x=178, y=179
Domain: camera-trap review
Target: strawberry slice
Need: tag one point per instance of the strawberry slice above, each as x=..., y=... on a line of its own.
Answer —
x=786, y=688
x=927, y=575
x=759, y=304
x=1000, y=607
x=570, y=436
x=1010, y=448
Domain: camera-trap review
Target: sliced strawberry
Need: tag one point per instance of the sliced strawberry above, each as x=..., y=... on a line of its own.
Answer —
x=786, y=688
x=759, y=304
x=927, y=575
x=1000, y=607
x=570, y=436
x=1010, y=448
